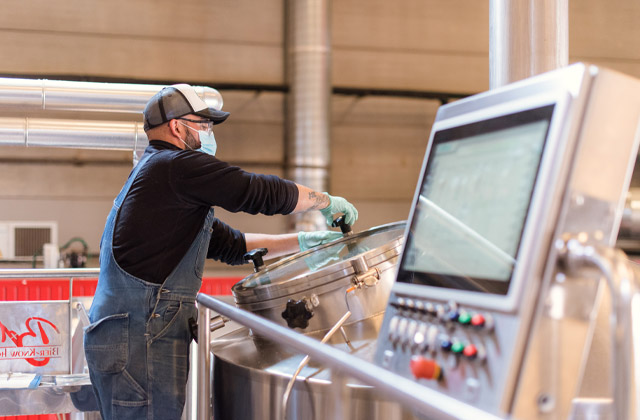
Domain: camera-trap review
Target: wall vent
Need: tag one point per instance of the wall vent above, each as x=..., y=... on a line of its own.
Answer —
x=23, y=240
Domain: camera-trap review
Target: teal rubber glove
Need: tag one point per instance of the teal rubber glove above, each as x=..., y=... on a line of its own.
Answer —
x=324, y=257
x=308, y=240
x=340, y=205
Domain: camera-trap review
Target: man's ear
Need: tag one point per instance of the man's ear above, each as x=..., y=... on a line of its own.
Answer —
x=174, y=128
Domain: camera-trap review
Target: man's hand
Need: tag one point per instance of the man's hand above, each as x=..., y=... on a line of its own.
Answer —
x=308, y=240
x=339, y=205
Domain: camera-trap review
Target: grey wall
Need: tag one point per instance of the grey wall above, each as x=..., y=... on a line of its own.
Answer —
x=377, y=142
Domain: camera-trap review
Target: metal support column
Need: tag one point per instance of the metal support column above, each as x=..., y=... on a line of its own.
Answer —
x=526, y=37
x=204, y=363
x=308, y=69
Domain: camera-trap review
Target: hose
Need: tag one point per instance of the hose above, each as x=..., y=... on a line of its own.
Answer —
x=303, y=363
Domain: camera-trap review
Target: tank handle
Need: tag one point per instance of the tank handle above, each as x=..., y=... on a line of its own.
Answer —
x=342, y=224
x=255, y=256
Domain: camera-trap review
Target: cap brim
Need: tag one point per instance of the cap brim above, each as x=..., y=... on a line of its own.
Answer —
x=212, y=114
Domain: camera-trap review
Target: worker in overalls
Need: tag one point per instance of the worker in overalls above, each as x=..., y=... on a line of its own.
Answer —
x=157, y=236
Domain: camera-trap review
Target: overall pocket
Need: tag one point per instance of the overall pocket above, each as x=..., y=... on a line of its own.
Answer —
x=106, y=344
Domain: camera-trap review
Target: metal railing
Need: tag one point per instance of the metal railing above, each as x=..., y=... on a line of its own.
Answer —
x=53, y=392
x=51, y=273
x=48, y=273
x=621, y=277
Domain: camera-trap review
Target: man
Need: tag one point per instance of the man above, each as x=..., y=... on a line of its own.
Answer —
x=157, y=236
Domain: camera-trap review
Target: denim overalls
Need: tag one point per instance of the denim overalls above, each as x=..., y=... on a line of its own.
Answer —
x=137, y=346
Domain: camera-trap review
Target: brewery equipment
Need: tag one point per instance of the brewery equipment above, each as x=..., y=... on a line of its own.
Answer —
x=508, y=300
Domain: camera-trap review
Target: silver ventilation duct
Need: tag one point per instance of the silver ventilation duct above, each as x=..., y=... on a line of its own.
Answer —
x=57, y=95
x=309, y=71
x=42, y=132
x=85, y=99
x=526, y=37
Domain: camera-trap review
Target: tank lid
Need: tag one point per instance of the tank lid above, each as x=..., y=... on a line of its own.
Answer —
x=320, y=265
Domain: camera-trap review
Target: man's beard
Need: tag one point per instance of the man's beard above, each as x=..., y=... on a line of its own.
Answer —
x=191, y=141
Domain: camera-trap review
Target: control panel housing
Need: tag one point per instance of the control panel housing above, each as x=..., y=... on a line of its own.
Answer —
x=508, y=176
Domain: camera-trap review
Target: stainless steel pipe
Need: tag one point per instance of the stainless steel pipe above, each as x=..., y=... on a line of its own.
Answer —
x=59, y=95
x=49, y=273
x=526, y=37
x=309, y=106
x=622, y=281
x=43, y=132
x=204, y=364
x=27, y=95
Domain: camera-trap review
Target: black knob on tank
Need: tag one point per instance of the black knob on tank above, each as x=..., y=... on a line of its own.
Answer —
x=344, y=227
x=255, y=256
x=297, y=314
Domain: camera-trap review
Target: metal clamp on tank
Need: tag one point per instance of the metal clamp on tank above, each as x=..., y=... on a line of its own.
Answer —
x=364, y=276
x=255, y=256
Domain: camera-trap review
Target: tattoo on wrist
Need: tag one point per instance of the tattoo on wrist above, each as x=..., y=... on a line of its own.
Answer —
x=320, y=201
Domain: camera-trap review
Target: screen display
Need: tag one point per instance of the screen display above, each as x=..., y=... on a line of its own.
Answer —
x=473, y=203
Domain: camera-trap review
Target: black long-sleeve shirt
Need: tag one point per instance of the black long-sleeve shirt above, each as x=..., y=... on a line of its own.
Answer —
x=168, y=203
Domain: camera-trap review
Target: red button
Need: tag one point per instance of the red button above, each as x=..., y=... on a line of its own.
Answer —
x=470, y=351
x=423, y=368
x=477, y=320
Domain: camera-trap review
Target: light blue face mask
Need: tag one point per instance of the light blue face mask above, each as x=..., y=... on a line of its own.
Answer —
x=208, y=143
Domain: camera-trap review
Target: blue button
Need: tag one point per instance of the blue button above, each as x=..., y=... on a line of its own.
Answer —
x=446, y=345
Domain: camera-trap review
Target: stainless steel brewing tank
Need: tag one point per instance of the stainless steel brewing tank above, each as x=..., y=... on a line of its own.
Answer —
x=308, y=291
x=250, y=374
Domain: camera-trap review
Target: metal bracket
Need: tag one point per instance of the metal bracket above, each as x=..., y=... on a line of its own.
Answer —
x=365, y=276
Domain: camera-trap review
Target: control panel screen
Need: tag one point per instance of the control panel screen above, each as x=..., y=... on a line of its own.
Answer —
x=473, y=203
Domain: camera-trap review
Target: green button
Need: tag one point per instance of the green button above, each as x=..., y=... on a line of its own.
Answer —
x=457, y=347
x=464, y=318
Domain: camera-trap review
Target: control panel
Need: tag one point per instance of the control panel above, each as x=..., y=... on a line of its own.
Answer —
x=481, y=310
x=455, y=348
